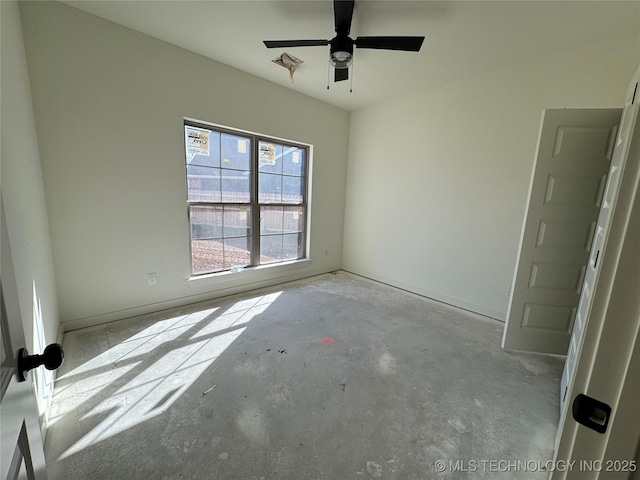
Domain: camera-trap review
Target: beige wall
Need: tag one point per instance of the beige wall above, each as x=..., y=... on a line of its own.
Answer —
x=24, y=202
x=437, y=181
x=109, y=106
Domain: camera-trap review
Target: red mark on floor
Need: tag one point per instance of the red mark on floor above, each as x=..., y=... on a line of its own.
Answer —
x=327, y=341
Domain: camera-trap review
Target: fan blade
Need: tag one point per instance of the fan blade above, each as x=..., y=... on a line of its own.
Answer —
x=341, y=74
x=343, y=14
x=409, y=44
x=294, y=43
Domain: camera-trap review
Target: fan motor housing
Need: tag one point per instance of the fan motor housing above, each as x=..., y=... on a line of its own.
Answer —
x=341, y=48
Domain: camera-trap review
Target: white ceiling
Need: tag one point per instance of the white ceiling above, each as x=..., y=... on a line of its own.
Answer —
x=462, y=38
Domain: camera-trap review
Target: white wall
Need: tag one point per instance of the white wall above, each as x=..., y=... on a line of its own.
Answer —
x=437, y=181
x=24, y=202
x=109, y=106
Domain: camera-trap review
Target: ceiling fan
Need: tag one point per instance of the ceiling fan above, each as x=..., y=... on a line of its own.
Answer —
x=341, y=46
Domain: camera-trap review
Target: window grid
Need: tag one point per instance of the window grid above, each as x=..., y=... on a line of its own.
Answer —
x=253, y=238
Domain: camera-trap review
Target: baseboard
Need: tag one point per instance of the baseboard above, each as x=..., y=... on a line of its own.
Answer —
x=456, y=302
x=108, y=317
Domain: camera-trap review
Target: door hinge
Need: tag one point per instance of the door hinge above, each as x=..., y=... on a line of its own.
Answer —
x=595, y=262
x=635, y=90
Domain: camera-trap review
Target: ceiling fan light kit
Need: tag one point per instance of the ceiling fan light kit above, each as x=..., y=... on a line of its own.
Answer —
x=341, y=59
x=341, y=46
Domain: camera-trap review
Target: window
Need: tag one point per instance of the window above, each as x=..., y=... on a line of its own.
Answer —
x=247, y=199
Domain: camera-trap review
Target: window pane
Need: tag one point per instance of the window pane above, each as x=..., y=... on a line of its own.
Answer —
x=292, y=189
x=292, y=246
x=203, y=184
x=271, y=220
x=270, y=248
x=237, y=252
x=236, y=152
x=206, y=157
x=202, y=146
x=293, y=219
x=235, y=186
x=269, y=157
x=206, y=255
x=293, y=161
x=206, y=222
x=270, y=188
x=237, y=221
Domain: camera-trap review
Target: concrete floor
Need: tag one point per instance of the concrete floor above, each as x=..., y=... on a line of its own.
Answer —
x=333, y=377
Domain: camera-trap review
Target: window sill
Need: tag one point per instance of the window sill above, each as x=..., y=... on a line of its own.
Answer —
x=246, y=273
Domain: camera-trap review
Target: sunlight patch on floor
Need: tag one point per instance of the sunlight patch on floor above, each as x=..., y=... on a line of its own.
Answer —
x=157, y=385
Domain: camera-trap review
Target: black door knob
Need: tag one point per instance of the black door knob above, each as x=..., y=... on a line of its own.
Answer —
x=51, y=358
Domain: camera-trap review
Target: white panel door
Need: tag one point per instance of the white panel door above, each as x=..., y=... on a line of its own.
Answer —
x=567, y=186
x=21, y=449
x=608, y=348
x=620, y=154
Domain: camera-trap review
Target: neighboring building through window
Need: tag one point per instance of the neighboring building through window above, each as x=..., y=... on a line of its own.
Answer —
x=247, y=198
